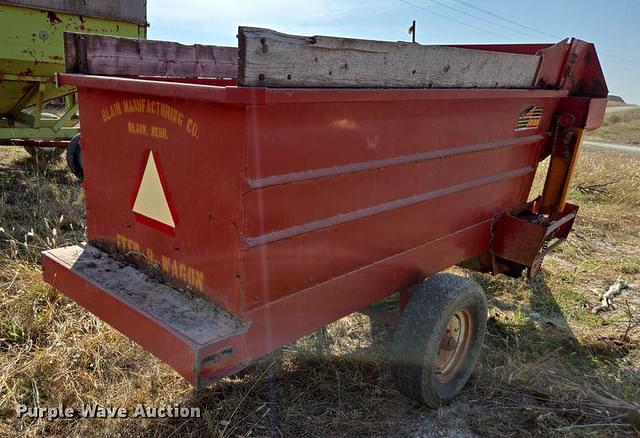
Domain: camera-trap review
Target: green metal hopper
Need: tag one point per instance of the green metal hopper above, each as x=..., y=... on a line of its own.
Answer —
x=32, y=51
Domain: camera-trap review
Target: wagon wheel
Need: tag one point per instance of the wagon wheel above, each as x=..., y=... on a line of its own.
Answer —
x=74, y=157
x=437, y=343
x=45, y=153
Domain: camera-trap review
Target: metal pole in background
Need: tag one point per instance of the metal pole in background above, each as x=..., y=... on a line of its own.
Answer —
x=412, y=31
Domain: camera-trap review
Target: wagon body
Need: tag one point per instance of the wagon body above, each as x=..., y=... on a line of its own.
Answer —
x=290, y=208
x=32, y=52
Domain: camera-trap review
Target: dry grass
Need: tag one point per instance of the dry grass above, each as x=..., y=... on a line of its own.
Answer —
x=620, y=127
x=549, y=366
x=560, y=368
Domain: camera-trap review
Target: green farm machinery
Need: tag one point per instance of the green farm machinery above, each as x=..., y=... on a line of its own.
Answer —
x=34, y=112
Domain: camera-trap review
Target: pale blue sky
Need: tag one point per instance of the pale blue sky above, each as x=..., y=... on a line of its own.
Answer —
x=613, y=25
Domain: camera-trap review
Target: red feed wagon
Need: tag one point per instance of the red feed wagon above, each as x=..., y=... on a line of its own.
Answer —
x=229, y=217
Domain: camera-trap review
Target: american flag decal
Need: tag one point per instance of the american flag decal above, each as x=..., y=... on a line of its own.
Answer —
x=530, y=118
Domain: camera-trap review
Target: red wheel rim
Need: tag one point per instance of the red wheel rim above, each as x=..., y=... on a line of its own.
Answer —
x=454, y=345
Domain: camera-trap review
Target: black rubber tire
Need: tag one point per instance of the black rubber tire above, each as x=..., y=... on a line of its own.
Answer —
x=74, y=157
x=47, y=154
x=416, y=341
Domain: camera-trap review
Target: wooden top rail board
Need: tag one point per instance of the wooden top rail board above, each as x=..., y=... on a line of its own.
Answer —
x=266, y=58
x=271, y=59
x=117, y=56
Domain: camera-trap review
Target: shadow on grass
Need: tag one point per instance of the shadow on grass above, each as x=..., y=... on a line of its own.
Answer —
x=316, y=387
x=536, y=376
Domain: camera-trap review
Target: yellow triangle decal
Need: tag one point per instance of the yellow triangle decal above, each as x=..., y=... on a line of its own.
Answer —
x=151, y=200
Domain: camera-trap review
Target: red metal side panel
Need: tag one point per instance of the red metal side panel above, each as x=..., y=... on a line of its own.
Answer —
x=345, y=193
x=308, y=137
x=288, y=265
x=305, y=191
x=198, y=148
x=524, y=49
x=335, y=189
x=298, y=314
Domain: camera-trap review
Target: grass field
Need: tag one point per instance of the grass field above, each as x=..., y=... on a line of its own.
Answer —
x=620, y=127
x=549, y=366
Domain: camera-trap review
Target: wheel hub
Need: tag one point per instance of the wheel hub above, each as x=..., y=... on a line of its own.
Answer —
x=454, y=344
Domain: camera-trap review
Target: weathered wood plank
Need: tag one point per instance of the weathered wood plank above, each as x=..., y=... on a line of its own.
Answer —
x=106, y=55
x=271, y=59
x=134, y=11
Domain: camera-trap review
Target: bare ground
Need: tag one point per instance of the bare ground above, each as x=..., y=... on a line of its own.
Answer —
x=549, y=366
